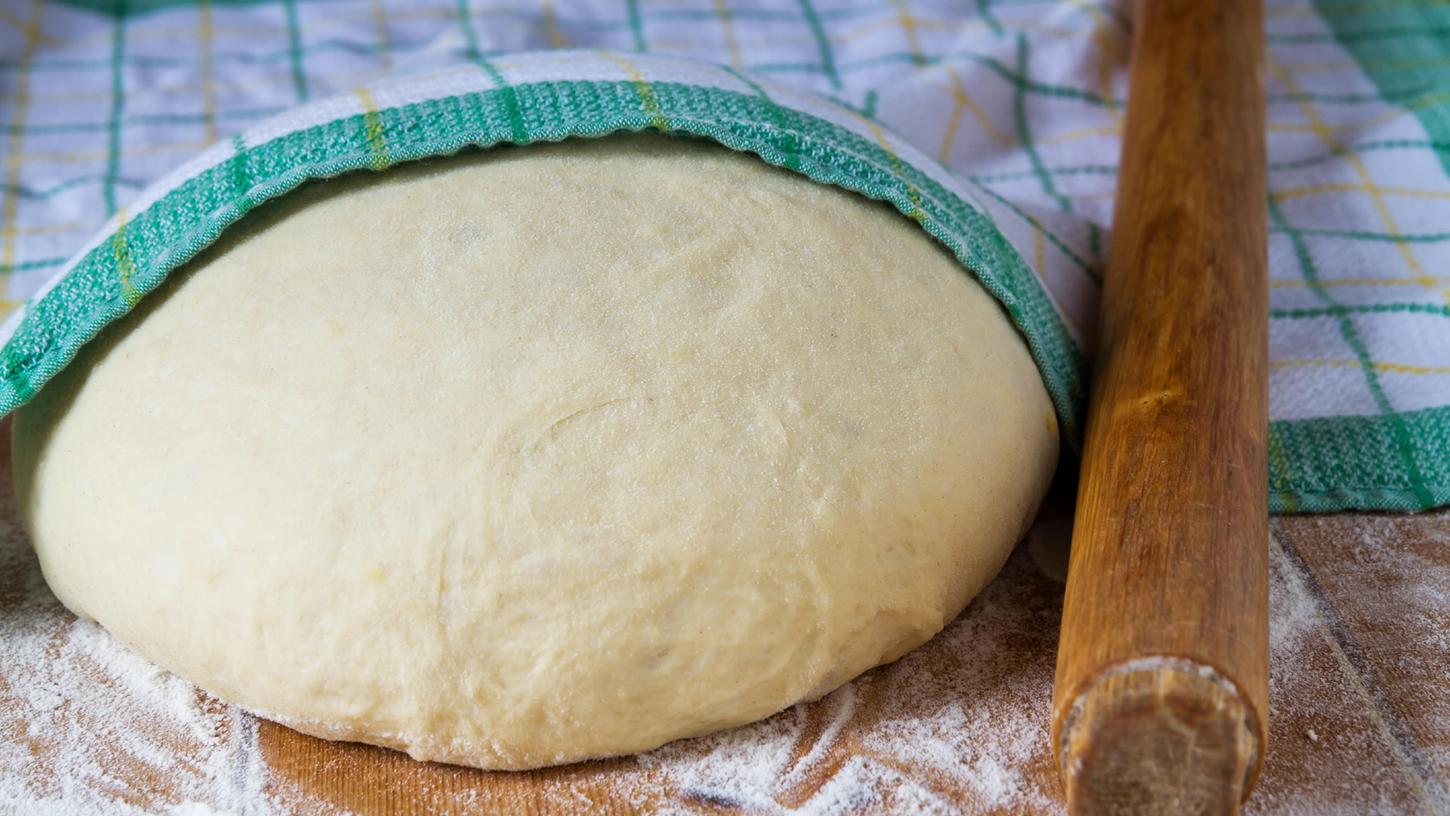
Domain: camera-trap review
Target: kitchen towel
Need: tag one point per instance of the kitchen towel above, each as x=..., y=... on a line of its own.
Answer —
x=995, y=124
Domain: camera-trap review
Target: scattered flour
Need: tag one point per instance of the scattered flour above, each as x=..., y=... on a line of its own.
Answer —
x=1338, y=745
x=961, y=725
x=88, y=727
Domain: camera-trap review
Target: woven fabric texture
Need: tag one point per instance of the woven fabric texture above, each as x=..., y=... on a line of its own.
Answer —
x=995, y=124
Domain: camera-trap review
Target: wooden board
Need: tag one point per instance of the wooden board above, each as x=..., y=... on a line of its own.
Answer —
x=1362, y=720
x=1359, y=697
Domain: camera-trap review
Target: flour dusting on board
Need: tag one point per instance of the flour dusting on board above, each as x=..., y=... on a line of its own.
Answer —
x=88, y=727
x=1344, y=676
x=961, y=725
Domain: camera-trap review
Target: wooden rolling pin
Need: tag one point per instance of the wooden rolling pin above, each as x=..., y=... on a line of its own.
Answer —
x=1161, y=700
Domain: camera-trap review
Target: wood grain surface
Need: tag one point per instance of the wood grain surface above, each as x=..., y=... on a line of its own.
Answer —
x=1362, y=714
x=1361, y=605
x=1161, y=700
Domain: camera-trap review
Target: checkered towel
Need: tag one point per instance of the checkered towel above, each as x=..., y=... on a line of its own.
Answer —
x=995, y=124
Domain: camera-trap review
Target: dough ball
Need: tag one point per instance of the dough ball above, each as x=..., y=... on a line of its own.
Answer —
x=538, y=454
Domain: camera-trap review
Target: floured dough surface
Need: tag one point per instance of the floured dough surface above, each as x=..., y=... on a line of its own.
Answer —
x=541, y=454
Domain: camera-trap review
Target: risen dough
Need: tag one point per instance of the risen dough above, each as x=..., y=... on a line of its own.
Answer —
x=541, y=454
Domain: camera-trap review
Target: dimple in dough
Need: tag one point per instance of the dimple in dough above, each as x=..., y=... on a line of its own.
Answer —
x=540, y=454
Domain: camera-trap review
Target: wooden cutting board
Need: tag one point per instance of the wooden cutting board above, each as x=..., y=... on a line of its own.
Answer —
x=1360, y=697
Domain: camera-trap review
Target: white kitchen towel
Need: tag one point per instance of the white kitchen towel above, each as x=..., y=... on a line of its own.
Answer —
x=995, y=124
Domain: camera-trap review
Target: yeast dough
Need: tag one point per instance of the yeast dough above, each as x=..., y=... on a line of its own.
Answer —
x=539, y=454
